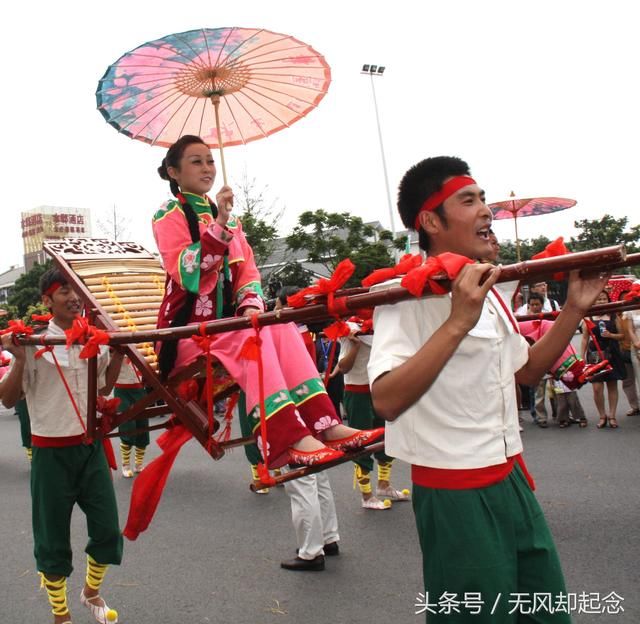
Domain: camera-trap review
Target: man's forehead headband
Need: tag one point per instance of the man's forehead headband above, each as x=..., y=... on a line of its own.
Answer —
x=448, y=189
x=53, y=288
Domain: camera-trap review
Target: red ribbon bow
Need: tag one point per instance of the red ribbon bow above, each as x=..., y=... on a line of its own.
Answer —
x=83, y=333
x=553, y=249
x=340, y=277
x=407, y=262
x=17, y=327
x=445, y=266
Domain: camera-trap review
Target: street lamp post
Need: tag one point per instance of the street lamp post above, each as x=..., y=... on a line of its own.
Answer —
x=378, y=70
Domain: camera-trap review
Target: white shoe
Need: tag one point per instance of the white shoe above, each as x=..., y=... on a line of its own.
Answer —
x=103, y=614
x=376, y=503
x=138, y=468
x=126, y=472
x=393, y=494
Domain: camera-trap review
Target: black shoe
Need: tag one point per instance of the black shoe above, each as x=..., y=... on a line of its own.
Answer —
x=332, y=549
x=312, y=565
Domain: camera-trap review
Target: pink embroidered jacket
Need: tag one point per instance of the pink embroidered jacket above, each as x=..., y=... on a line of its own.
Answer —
x=195, y=267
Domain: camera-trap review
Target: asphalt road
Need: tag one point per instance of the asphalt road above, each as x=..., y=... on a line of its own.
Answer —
x=213, y=551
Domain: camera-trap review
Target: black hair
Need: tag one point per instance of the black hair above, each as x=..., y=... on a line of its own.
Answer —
x=50, y=277
x=420, y=182
x=537, y=296
x=286, y=291
x=169, y=348
x=173, y=158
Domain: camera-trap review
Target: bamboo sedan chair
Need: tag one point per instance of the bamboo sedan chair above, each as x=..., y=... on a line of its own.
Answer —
x=122, y=286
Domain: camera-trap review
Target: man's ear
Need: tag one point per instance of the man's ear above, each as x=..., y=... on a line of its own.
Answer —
x=430, y=222
x=46, y=300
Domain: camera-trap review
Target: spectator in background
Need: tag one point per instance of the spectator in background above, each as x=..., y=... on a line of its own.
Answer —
x=539, y=409
x=629, y=384
x=605, y=333
x=548, y=305
x=631, y=324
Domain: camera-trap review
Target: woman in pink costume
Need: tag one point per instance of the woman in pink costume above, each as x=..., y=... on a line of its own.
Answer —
x=211, y=273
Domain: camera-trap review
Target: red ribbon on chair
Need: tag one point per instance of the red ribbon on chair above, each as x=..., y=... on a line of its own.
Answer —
x=41, y=318
x=108, y=408
x=95, y=338
x=407, y=262
x=553, y=249
x=446, y=265
x=340, y=277
x=149, y=484
x=252, y=350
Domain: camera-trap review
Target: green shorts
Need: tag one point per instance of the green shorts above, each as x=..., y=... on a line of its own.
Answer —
x=60, y=478
x=492, y=543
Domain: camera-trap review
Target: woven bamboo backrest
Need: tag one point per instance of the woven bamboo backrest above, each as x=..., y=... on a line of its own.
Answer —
x=125, y=280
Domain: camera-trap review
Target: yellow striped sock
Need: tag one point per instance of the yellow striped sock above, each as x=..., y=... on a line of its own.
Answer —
x=140, y=450
x=254, y=472
x=125, y=453
x=57, y=594
x=95, y=573
x=364, y=482
x=384, y=471
x=29, y=453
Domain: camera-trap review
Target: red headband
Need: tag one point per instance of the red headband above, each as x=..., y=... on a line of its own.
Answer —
x=447, y=190
x=52, y=288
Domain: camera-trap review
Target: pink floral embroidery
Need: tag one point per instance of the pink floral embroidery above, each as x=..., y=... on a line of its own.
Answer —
x=189, y=260
x=259, y=443
x=204, y=306
x=325, y=423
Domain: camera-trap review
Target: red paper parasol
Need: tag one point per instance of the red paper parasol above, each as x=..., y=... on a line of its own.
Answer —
x=226, y=85
x=517, y=208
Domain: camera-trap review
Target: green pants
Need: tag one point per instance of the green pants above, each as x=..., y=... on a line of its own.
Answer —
x=128, y=396
x=250, y=450
x=361, y=415
x=25, y=424
x=493, y=542
x=60, y=478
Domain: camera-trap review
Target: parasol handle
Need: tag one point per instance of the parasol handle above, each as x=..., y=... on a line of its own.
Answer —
x=215, y=100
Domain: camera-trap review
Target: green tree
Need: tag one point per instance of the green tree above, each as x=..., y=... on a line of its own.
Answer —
x=604, y=232
x=8, y=313
x=329, y=237
x=258, y=218
x=528, y=248
x=26, y=290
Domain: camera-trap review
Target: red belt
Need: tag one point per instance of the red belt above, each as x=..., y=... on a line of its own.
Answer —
x=468, y=478
x=357, y=388
x=44, y=442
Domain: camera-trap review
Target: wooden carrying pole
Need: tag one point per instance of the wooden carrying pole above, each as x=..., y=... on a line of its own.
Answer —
x=605, y=259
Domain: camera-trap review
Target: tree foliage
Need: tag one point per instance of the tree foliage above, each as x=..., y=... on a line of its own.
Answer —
x=329, y=237
x=528, y=248
x=604, y=232
x=258, y=218
x=26, y=291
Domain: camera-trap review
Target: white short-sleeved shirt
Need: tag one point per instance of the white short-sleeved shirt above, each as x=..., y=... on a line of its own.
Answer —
x=634, y=315
x=50, y=409
x=358, y=375
x=469, y=416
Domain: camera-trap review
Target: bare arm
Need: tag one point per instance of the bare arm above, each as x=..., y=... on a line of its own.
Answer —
x=12, y=382
x=112, y=372
x=396, y=391
x=345, y=364
x=584, y=341
x=632, y=332
x=582, y=293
